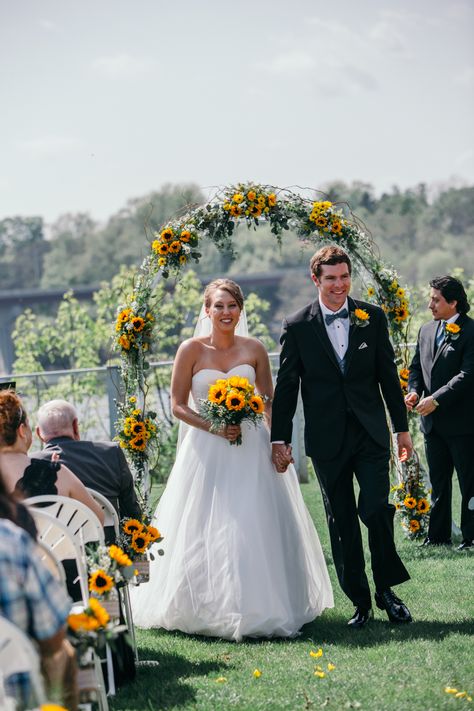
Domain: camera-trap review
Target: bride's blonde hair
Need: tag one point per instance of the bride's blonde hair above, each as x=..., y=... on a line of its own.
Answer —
x=228, y=285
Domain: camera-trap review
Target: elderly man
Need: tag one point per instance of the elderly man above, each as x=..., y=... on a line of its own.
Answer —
x=33, y=600
x=99, y=465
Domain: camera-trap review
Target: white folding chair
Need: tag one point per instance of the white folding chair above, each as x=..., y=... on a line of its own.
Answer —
x=55, y=535
x=50, y=560
x=18, y=655
x=79, y=519
x=111, y=519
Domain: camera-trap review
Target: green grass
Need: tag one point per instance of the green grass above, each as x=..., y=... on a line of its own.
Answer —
x=380, y=668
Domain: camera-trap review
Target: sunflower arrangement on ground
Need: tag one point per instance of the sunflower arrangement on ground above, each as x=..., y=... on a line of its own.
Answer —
x=231, y=401
x=109, y=567
x=411, y=500
x=90, y=627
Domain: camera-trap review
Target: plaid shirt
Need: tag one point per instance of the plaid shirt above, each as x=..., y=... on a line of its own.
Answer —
x=30, y=596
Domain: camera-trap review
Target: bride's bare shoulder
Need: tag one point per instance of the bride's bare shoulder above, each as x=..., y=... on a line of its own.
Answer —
x=192, y=346
x=251, y=344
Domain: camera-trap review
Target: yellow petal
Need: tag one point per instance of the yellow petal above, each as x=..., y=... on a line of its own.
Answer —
x=460, y=695
x=257, y=673
x=331, y=667
x=317, y=654
x=450, y=690
x=320, y=674
x=220, y=679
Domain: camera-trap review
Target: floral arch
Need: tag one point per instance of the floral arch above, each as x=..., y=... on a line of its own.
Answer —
x=176, y=245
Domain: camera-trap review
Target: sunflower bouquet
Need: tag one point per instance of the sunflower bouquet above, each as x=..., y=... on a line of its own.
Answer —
x=109, y=567
x=137, y=430
x=229, y=402
x=136, y=538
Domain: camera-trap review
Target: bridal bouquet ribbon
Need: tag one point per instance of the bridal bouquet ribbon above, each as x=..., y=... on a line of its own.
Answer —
x=231, y=401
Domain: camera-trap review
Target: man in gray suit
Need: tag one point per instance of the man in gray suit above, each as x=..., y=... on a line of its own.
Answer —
x=99, y=465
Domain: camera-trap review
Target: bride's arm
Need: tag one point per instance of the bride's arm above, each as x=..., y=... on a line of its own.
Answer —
x=263, y=379
x=181, y=379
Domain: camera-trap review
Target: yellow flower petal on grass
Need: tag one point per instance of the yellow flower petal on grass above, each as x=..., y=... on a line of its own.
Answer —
x=257, y=673
x=331, y=667
x=460, y=695
x=317, y=654
x=450, y=690
x=319, y=674
x=221, y=680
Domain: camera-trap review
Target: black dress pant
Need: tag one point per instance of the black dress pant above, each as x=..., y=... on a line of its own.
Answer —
x=444, y=454
x=369, y=462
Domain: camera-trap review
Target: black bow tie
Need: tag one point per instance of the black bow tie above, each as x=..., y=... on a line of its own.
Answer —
x=329, y=318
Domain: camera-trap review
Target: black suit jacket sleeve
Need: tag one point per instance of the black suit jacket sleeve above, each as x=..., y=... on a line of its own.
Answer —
x=462, y=382
x=129, y=506
x=387, y=376
x=287, y=387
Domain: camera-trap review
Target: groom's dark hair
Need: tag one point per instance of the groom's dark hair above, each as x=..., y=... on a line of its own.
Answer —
x=452, y=289
x=332, y=254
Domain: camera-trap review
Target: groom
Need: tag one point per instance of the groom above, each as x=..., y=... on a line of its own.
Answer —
x=340, y=353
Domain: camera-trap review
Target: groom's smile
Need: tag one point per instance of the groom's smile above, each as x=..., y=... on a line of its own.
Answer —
x=334, y=284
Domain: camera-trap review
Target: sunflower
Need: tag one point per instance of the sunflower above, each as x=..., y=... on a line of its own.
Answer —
x=261, y=201
x=234, y=381
x=400, y=292
x=155, y=245
x=403, y=384
x=163, y=248
x=226, y=206
x=82, y=622
x=100, y=613
x=137, y=428
x=321, y=221
x=414, y=525
x=123, y=315
x=272, y=200
x=251, y=195
x=404, y=373
x=370, y=291
x=132, y=526
x=401, y=314
x=183, y=259
x=216, y=394
x=336, y=227
x=175, y=247
x=423, y=506
x=185, y=236
x=453, y=328
x=255, y=210
x=138, y=323
x=409, y=502
x=138, y=443
x=124, y=341
x=153, y=533
x=162, y=261
x=237, y=198
x=119, y=556
x=140, y=542
x=235, y=211
x=100, y=582
x=167, y=234
x=235, y=400
x=361, y=314
x=256, y=403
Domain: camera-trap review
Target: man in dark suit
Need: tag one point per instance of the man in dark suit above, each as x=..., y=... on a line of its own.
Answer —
x=340, y=353
x=99, y=465
x=442, y=375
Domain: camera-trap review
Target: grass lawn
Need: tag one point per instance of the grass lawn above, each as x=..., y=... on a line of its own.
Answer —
x=380, y=668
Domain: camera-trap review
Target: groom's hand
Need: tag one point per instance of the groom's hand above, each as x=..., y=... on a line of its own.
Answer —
x=281, y=456
x=405, y=446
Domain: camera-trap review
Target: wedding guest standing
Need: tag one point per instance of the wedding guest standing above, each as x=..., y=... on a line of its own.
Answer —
x=441, y=388
x=339, y=352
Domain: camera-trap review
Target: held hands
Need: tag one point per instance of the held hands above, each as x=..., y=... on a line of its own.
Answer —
x=405, y=446
x=229, y=432
x=281, y=457
x=426, y=406
x=410, y=400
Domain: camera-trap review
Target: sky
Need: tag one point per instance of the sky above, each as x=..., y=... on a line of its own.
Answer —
x=106, y=100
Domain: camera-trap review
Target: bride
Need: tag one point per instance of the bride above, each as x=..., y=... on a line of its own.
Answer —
x=242, y=556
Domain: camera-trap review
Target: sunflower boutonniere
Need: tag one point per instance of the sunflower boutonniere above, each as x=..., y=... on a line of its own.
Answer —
x=359, y=317
x=452, y=331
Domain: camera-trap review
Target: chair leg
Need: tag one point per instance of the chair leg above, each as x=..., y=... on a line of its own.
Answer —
x=103, y=702
x=129, y=618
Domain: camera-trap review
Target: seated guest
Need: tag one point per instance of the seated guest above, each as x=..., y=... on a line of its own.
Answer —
x=13, y=510
x=37, y=603
x=27, y=476
x=99, y=465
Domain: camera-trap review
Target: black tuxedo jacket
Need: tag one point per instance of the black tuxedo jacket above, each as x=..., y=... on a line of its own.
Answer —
x=447, y=375
x=307, y=358
x=100, y=466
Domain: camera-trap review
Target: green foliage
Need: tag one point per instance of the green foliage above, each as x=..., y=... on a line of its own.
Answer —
x=22, y=247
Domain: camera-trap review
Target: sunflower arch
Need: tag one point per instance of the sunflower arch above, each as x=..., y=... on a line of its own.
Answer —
x=176, y=245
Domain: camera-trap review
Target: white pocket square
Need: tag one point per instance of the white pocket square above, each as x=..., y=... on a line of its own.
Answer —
x=450, y=348
x=362, y=345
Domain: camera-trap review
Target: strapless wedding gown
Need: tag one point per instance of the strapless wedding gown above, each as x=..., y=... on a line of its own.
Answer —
x=241, y=554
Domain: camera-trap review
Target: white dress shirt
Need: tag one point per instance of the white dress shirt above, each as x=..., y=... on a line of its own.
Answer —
x=338, y=330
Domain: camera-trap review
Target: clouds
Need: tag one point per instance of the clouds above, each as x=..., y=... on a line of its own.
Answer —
x=122, y=66
x=48, y=145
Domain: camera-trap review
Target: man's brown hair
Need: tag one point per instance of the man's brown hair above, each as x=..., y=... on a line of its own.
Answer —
x=329, y=255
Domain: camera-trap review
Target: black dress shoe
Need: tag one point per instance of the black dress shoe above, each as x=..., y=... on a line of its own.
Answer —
x=396, y=610
x=430, y=542
x=360, y=617
x=465, y=545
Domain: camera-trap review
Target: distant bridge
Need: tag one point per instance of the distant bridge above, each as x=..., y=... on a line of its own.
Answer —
x=15, y=301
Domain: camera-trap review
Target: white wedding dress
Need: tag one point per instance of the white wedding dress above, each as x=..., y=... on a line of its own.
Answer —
x=241, y=554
